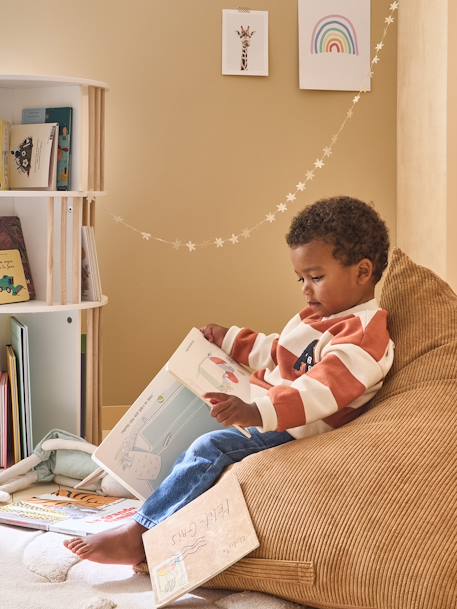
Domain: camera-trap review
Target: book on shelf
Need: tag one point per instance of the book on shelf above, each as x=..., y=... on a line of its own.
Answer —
x=13, y=284
x=33, y=156
x=63, y=116
x=4, y=153
x=91, y=288
x=5, y=423
x=20, y=345
x=169, y=415
x=11, y=237
x=205, y=537
x=16, y=425
x=71, y=512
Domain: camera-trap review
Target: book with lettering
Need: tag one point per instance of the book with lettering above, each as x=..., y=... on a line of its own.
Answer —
x=199, y=541
x=11, y=238
x=63, y=116
x=70, y=512
x=13, y=285
x=33, y=156
x=4, y=153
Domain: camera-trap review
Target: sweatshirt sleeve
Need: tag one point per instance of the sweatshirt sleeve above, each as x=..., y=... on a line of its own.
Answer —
x=252, y=349
x=351, y=364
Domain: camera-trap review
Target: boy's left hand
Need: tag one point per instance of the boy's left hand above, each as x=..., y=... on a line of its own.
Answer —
x=230, y=410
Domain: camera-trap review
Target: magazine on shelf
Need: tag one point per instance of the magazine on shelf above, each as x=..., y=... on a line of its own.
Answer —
x=169, y=414
x=63, y=116
x=33, y=156
x=71, y=512
x=11, y=238
x=199, y=541
x=91, y=288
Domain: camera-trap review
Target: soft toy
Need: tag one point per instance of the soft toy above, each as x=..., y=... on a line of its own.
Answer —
x=63, y=458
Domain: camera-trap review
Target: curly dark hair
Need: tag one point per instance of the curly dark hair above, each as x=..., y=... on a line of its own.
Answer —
x=352, y=226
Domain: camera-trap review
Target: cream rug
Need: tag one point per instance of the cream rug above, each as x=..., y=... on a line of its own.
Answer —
x=38, y=572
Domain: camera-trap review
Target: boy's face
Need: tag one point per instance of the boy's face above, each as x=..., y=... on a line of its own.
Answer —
x=328, y=286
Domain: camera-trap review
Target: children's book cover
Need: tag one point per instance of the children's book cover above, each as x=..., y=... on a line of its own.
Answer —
x=11, y=238
x=13, y=286
x=199, y=541
x=64, y=117
x=33, y=156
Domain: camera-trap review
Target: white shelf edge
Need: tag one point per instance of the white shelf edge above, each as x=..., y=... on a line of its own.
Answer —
x=39, y=306
x=25, y=80
x=52, y=193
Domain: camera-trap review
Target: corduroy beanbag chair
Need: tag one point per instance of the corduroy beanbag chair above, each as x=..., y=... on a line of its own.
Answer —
x=364, y=517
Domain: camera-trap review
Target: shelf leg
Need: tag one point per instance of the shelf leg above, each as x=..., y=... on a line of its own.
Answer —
x=50, y=254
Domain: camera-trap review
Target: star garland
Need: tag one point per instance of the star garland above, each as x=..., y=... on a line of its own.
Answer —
x=301, y=186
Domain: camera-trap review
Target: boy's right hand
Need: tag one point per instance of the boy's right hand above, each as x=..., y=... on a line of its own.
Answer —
x=214, y=333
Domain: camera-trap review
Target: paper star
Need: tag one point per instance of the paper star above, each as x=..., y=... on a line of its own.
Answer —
x=394, y=6
x=146, y=236
x=310, y=174
x=190, y=246
x=356, y=99
x=234, y=239
x=375, y=59
x=319, y=163
x=371, y=74
x=334, y=139
x=349, y=113
x=327, y=151
x=301, y=186
x=270, y=218
x=246, y=233
x=282, y=207
x=379, y=46
x=118, y=219
x=177, y=244
x=389, y=20
x=219, y=242
x=291, y=197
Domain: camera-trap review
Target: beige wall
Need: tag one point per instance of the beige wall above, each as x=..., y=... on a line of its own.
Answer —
x=195, y=155
x=427, y=135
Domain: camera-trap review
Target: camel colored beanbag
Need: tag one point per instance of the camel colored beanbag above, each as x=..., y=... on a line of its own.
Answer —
x=366, y=516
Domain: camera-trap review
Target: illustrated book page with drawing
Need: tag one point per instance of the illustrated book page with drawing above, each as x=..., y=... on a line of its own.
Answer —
x=162, y=423
x=199, y=541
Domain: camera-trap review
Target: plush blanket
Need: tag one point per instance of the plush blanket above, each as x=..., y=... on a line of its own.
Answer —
x=38, y=572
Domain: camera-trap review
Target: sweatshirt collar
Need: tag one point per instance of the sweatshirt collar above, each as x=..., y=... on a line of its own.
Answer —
x=365, y=306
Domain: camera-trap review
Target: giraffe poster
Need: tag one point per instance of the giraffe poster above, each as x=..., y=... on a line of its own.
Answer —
x=334, y=44
x=245, y=42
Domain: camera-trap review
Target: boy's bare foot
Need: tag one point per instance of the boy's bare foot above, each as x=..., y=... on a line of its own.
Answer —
x=122, y=545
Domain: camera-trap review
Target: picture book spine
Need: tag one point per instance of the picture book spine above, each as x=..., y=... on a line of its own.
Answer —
x=4, y=151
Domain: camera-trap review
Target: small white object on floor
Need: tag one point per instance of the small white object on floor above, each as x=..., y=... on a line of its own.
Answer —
x=48, y=557
x=99, y=603
x=254, y=600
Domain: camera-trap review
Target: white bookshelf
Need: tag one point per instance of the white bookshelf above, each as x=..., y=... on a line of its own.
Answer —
x=51, y=222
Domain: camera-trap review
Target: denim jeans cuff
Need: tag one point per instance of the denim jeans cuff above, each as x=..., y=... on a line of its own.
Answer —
x=144, y=521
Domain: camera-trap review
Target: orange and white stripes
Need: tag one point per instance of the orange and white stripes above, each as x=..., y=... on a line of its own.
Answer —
x=351, y=353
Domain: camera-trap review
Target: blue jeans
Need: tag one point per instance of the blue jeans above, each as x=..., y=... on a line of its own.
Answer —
x=200, y=466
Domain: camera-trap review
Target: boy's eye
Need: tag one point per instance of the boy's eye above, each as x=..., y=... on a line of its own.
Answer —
x=317, y=279
x=300, y=279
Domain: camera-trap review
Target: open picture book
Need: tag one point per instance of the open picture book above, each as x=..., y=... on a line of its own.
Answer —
x=170, y=414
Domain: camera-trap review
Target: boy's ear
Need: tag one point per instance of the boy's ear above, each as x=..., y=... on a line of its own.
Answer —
x=364, y=271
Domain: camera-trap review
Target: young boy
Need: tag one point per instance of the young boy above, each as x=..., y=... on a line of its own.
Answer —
x=329, y=360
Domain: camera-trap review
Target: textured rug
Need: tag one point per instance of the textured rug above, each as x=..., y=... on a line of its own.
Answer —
x=38, y=572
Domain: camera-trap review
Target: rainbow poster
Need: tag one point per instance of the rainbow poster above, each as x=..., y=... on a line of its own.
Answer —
x=334, y=40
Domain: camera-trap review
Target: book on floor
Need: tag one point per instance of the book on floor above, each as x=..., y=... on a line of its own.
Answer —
x=199, y=541
x=33, y=156
x=70, y=512
x=11, y=238
x=63, y=116
x=170, y=414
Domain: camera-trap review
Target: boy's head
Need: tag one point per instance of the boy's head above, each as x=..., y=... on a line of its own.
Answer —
x=339, y=250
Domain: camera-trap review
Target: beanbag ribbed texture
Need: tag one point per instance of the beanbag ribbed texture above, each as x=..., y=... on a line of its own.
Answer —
x=365, y=516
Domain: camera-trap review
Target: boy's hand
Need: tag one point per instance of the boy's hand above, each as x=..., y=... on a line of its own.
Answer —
x=214, y=333
x=230, y=410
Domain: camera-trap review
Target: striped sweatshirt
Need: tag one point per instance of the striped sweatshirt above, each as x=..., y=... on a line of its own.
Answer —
x=315, y=375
